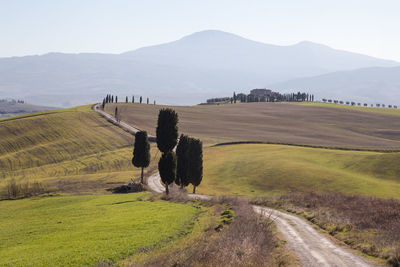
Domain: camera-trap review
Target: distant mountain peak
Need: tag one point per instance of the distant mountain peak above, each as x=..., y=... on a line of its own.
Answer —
x=208, y=35
x=310, y=44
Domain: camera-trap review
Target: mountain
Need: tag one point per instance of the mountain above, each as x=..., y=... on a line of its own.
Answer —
x=186, y=71
x=367, y=85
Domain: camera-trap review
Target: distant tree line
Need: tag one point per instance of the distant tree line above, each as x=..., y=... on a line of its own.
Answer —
x=352, y=103
x=114, y=99
x=263, y=95
x=12, y=101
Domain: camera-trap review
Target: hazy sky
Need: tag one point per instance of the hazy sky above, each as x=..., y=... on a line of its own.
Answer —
x=113, y=26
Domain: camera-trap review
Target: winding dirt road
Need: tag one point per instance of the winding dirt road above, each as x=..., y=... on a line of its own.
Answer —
x=123, y=125
x=311, y=247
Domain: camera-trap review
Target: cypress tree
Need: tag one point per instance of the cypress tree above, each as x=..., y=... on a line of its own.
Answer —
x=147, y=101
x=167, y=130
x=116, y=113
x=234, y=97
x=133, y=99
x=141, y=152
x=182, y=156
x=112, y=99
x=167, y=169
x=126, y=99
x=195, y=162
x=140, y=100
x=116, y=99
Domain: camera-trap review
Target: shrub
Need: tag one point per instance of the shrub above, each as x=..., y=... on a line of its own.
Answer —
x=14, y=190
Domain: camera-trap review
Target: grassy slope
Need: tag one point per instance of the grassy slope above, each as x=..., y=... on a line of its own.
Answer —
x=85, y=230
x=275, y=122
x=257, y=170
x=72, y=149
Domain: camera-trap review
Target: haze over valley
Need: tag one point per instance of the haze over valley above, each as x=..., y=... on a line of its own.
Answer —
x=199, y=66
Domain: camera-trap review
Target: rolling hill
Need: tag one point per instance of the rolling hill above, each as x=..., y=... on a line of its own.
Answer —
x=312, y=124
x=252, y=170
x=187, y=71
x=69, y=150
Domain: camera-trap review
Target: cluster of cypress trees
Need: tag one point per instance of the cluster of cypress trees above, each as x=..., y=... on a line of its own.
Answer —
x=189, y=154
x=184, y=167
x=273, y=97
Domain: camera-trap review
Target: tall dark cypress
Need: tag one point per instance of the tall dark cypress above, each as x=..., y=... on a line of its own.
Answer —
x=182, y=157
x=141, y=152
x=195, y=162
x=167, y=169
x=167, y=130
x=167, y=135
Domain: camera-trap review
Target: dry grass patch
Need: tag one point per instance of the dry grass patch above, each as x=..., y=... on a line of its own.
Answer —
x=236, y=236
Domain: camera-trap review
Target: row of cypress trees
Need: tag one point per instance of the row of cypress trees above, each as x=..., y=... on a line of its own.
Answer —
x=110, y=99
x=185, y=167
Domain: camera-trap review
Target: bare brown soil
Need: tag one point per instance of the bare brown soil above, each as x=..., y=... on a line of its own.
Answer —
x=274, y=122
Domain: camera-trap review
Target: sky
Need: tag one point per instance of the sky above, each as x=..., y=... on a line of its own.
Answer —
x=30, y=27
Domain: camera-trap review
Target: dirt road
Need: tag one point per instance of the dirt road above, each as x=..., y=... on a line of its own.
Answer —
x=312, y=247
x=123, y=125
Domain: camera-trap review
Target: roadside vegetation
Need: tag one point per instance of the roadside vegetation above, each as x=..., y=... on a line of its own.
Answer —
x=233, y=236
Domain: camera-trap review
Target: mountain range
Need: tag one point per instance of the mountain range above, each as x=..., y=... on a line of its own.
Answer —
x=199, y=66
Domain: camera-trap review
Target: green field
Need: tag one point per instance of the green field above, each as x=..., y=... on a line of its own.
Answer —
x=72, y=150
x=86, y=230
x=261, y=170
